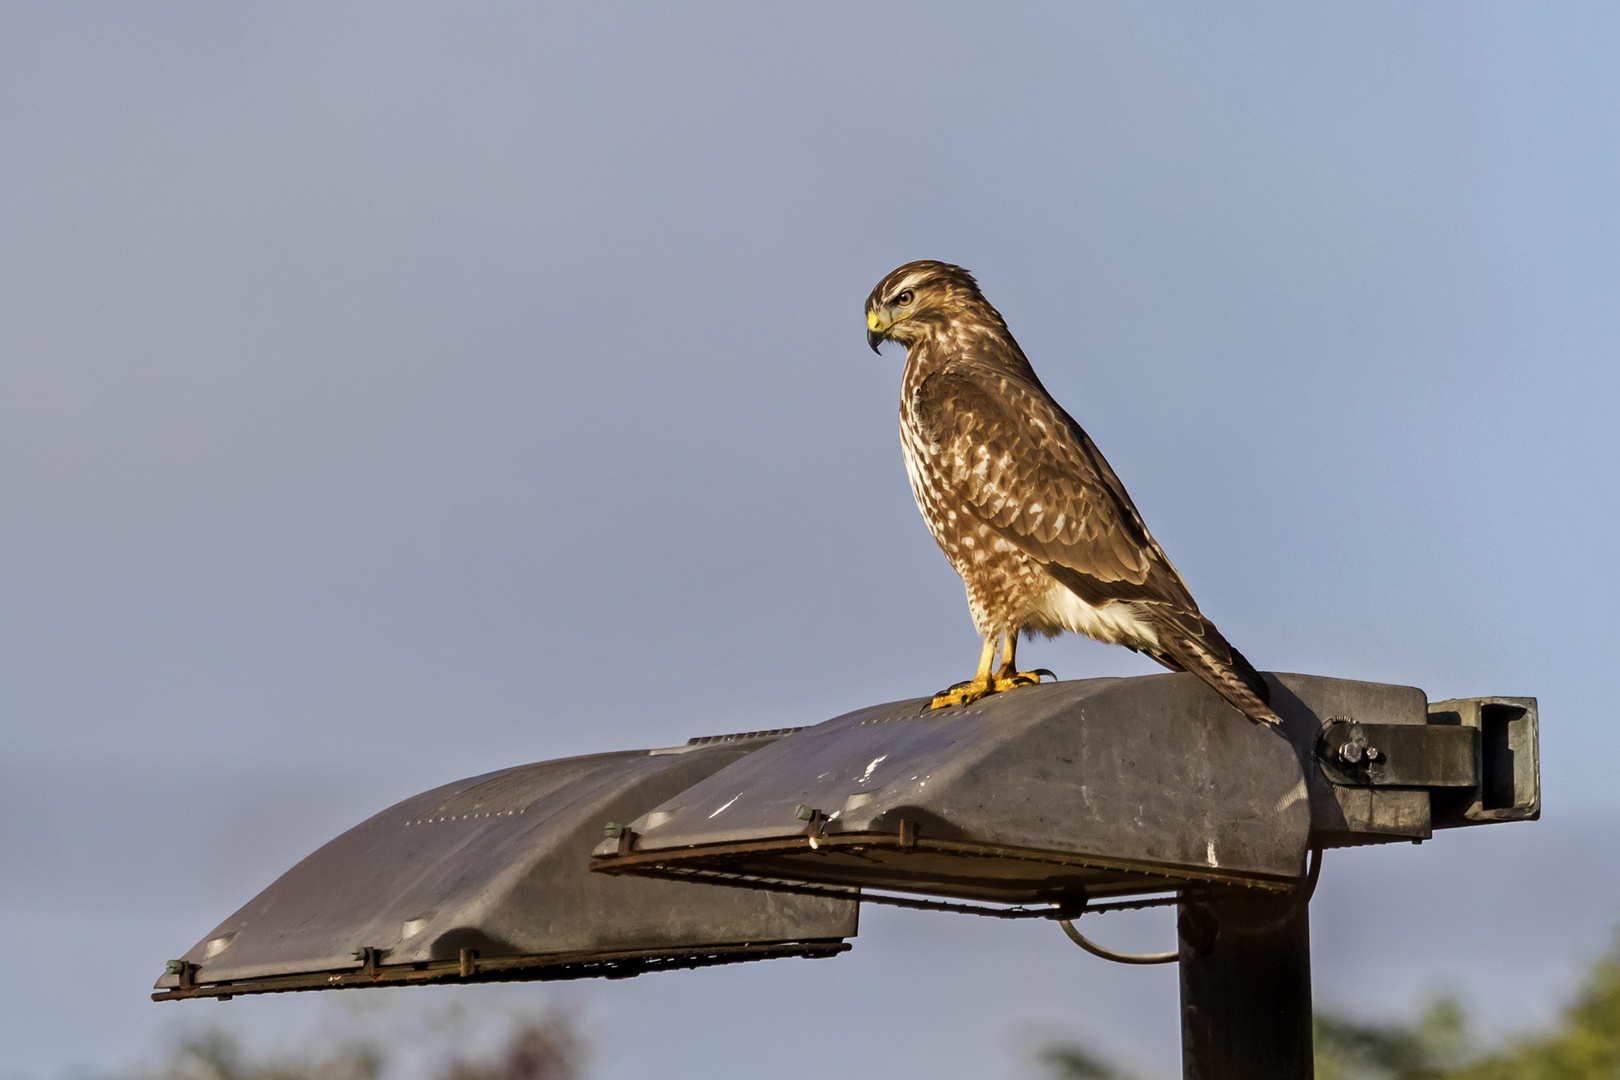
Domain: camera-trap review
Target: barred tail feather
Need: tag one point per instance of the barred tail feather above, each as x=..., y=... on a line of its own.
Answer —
x=1209, y=656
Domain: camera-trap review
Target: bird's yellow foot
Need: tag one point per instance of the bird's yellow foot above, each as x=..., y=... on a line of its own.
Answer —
x=965, y=693
x=1013, y=680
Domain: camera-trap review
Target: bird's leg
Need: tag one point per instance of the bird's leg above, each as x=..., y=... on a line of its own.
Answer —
x=1008, y=676
x=980, y=685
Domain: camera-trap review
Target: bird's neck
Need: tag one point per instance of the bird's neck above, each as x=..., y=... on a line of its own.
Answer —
x=983, y=344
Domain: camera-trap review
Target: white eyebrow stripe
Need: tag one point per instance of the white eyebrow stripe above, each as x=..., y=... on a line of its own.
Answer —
x=908, y=281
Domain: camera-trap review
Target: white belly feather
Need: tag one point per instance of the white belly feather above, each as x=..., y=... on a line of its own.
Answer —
x=1115, y=623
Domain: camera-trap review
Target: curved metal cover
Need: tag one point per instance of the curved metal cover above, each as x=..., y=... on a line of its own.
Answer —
x=1098, y=785
x=498, y=864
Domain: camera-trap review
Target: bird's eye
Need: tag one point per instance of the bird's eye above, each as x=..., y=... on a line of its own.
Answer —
x=905, y=298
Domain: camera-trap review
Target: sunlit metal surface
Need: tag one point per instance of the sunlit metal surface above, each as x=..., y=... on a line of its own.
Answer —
x=1096, y=787
x=487, y=878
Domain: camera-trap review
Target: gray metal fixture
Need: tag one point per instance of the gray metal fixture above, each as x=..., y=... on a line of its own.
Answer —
x=1043, y=802
x=1088, y=790
x=486, y=879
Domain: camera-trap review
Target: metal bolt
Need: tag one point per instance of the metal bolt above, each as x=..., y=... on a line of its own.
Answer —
x=1350, y=753
x=612, y=830
x=1372, y=753
x=358, y=954
x=174, y=967
x=805, y=812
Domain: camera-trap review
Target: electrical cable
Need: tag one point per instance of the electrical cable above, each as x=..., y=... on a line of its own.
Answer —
x=1109, y=954
x=1304, y=892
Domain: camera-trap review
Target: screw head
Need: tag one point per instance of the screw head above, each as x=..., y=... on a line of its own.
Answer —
x=804, y=812
x=174, y=967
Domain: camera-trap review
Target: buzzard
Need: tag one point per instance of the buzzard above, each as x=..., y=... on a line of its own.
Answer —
x=1024, y=505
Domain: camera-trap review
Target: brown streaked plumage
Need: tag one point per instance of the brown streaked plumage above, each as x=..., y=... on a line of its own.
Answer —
x=1022, y=502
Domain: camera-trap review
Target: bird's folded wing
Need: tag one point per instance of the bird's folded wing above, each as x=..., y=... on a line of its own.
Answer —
x=1019, y=463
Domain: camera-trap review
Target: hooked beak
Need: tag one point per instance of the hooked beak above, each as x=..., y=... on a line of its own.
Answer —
x=876, y=331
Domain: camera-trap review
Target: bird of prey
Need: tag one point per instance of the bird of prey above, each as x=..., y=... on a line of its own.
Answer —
x=1024, y=505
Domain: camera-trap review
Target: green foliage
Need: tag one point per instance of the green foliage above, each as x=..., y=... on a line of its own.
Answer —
x=1427, y=1050
x=217, y=1054
x=1583, y=1044
x=1077, y=1063
x=545, y=1049
x=531, y=1048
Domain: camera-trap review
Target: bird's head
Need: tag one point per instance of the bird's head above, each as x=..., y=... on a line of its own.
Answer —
x=917, y=300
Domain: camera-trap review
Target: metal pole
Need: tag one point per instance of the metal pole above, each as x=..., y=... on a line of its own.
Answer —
x=1245, y=988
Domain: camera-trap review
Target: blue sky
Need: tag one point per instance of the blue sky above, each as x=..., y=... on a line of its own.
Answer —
x=394, y=393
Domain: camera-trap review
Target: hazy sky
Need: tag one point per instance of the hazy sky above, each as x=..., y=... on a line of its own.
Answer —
x=390, y=394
